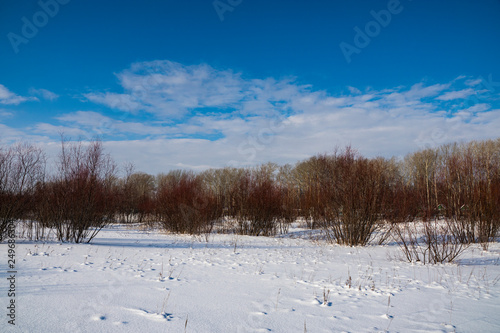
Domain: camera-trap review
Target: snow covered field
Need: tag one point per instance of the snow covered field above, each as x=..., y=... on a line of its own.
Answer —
x=142, y=281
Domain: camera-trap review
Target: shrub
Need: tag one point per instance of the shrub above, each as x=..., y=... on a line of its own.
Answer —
x=22, y=167
x=79, y=201
x=261, y=209
x=184, y=205
x=356, y=202
x=433, y=241
x=135, y=196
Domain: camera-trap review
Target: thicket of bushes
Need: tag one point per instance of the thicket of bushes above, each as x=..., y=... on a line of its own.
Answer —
x=345, y=194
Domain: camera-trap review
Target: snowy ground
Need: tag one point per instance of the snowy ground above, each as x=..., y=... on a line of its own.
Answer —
x=137, y=281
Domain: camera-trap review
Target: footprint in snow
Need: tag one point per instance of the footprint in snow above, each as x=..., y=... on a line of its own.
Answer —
x=153, y=315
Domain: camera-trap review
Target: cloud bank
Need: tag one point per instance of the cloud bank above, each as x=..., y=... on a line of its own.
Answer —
x=165, y=115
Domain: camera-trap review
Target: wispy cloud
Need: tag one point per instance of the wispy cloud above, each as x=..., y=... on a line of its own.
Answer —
x=97, y=124
x=172, y=90
x=44, y=93
x=8, y=97
x=4, y=113
x=419, y=91
x=9, y=135
x=354, y=90
x=121, y=102
x=54, y=130
x=479, y=107
x=473, y=82
x=460, y=94
x=174, y=115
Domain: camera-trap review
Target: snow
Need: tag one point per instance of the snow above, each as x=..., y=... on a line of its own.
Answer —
x=131, y=280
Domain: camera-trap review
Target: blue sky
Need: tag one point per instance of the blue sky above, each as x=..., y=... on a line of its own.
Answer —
x=198, y=84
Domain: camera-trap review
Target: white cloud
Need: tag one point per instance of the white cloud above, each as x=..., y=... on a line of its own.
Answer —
x=85, y=118
x=122, y=102
x=4, y=113
x=98, y=124
x=172, y=110
x=9, y=135
x=386, y=122
x=479, y=107
x=354, y=90
x=418, y=90
x=460, y=94
x=300, y=136
x=473, y=82
x=53, y=130
x=8, y=97
x=44, y=93
x=171, y=89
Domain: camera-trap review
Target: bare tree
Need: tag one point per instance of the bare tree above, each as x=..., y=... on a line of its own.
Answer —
x=22, y=167
x=80, y=200
x=357, y=199
x=136, y=197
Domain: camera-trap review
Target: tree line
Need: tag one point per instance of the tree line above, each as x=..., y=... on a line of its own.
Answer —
x=348, y=196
